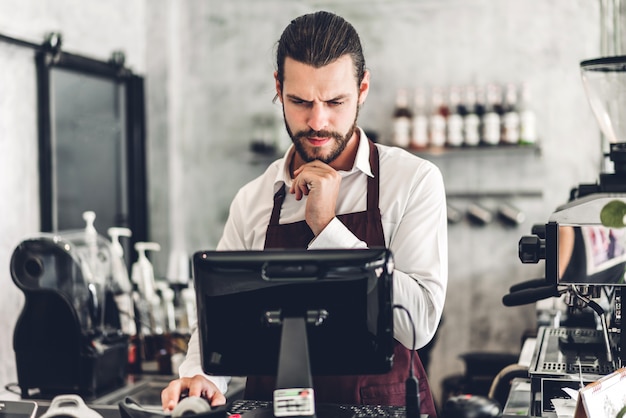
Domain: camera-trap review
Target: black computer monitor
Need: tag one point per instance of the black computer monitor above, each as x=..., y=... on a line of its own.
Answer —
x=343, y=298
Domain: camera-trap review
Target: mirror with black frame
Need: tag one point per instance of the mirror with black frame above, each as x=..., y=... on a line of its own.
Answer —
x=91, y=143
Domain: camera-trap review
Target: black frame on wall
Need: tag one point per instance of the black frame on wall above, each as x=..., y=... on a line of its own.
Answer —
x=129, y=196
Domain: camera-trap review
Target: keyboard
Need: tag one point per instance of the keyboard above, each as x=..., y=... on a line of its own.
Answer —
x=255, y=408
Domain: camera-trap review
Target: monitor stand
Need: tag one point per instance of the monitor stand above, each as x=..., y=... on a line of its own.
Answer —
x=294, y=395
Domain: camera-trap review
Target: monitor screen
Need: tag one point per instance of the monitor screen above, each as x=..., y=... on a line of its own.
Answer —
x=345, y=297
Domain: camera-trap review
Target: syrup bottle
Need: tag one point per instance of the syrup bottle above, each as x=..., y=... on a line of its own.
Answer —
x=510, y=119
x=471, y=118
x=419, y=126
x=437, y=121
x=528, y=131
x=402, y=120
x=480, y=110
x=455, y=120
x=491, y=119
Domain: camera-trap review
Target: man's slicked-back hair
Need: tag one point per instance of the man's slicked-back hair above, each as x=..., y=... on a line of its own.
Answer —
x=318, y=39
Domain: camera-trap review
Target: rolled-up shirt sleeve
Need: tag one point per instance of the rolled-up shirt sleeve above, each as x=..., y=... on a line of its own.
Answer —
x=336, y=235
x=418, y=241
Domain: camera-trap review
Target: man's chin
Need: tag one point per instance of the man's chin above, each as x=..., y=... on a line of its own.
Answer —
x=326, y=153
x=315, y=157
x=325, y=158
x=315, y=153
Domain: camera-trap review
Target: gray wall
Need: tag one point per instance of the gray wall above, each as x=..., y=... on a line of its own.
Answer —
x=208, y=67
x=93, y=29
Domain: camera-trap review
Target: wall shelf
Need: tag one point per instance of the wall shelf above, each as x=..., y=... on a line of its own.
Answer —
x=500, y=172
x=479, y=151
x=494, y=194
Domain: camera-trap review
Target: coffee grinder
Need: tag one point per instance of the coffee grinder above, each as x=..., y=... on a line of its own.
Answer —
x=67, y=338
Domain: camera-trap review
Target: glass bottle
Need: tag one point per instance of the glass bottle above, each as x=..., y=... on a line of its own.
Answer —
x=402, y=120
x=437, y=121
x=491, y=119
x=471, y=119
x=511, y=118
x=455, y=120
x=528, y=131
x=419, y=127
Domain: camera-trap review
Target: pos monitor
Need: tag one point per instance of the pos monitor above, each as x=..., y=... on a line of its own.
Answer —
x=295, y=313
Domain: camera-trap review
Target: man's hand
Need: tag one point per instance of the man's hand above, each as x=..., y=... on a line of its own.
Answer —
x=195, y=386
x=320, y=182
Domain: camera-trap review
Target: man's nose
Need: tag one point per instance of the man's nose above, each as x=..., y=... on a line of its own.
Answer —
x=318, y=117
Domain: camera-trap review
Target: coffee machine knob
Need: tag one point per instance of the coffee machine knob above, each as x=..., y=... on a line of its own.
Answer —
x=531, y=249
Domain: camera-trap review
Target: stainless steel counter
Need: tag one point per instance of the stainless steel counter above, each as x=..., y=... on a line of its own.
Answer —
x=144, y=389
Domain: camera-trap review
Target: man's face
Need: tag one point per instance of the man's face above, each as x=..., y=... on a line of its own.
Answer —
x=320, y=106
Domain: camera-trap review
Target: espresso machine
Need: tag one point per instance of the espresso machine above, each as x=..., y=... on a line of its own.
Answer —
x=583, y=245
x=67, y=338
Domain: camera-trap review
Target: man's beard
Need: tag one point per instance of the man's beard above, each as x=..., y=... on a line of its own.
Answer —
x=339, y=144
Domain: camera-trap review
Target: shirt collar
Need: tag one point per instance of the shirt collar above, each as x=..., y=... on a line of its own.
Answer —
x=361, y=162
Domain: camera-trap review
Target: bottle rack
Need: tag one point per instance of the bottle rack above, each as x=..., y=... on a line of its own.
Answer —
x=486, y=150
x=464, y=116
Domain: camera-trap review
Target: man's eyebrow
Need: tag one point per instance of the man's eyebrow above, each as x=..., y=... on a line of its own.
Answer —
x=294, y=97
x=334, y=99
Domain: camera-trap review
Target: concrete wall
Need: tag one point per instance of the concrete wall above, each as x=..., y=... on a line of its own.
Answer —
x=208, y=68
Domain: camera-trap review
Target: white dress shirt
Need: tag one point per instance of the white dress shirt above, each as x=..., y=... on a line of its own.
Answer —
x=412, y=203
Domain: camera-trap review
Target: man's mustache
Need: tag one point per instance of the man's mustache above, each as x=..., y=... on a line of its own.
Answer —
x=319, y=134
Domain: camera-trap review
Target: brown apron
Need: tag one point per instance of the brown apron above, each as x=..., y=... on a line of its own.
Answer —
x=384, y=389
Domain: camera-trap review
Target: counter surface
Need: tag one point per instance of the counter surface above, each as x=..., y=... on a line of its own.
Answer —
x=144, y=389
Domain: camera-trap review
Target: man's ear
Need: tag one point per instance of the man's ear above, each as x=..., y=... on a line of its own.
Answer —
x=364, y=87
x=279, y=90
